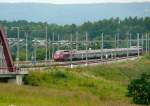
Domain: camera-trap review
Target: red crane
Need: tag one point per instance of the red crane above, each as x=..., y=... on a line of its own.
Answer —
x=7, y=54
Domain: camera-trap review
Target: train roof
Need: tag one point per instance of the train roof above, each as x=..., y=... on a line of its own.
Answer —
x=100, y=50
x=107, y=50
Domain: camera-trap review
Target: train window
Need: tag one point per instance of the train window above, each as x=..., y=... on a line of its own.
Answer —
x=66, y=51
x=58, y=52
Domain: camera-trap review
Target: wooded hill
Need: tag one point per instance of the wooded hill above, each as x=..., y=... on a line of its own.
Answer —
x=108, y=27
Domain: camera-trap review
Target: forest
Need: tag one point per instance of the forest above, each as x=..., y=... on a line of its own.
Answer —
x=109, y=27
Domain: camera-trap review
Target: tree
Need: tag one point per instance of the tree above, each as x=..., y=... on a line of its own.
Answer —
x=139, y=89
x=40, y=54
x=109, y=27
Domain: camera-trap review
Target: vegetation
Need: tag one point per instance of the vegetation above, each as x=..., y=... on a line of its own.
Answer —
x=89, y=86
x=75, y=82
x=109, y=27
x=100, y=85
x=139, y=89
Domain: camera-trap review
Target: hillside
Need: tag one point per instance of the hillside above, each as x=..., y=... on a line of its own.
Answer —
x=68, y=14
x=103, y=85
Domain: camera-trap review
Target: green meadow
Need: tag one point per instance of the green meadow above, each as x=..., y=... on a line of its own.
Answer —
x=101, y=85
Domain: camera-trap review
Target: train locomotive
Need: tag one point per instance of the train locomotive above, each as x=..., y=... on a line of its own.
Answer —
x=67, y=55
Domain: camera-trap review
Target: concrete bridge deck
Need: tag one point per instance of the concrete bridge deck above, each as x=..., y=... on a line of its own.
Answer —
x=13, y=77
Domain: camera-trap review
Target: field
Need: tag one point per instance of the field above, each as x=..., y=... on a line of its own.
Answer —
x=102, y=85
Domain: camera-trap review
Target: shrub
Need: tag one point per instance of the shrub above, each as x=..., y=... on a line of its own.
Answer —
x=139, y=89
x=33, y=79
x=48, y=78
x=59, y=74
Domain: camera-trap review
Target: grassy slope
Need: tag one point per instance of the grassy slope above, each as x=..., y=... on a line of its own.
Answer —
x=103, y=85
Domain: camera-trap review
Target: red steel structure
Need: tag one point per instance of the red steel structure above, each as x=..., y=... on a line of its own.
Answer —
x=9, y=61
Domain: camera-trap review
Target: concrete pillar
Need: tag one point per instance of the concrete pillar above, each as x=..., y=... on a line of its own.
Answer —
x=18, y=79
x=71, y=65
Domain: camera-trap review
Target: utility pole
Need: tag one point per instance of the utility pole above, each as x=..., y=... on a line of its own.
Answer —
x=53, y=35
x=26, y=35
x=18, y=39
x=49, y=48
x=58, y=42
x=77, y=40
x=46, y=43
x=71, y=50
x=146, y=43
x=142, y=44
x=118, y=33
x=130, y=40
x=118, y=39
x=138, y=44
x=86, y=49
x=102, y=46
x=35, y=47
x=127, y=47
x=115, y=46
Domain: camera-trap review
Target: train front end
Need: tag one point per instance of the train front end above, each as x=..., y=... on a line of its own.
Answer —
x=58, y=56
x=61, y=55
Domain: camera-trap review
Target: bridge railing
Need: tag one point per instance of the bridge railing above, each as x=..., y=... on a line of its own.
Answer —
x=6, y=71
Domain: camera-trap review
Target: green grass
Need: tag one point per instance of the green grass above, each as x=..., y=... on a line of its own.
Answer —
x=102, y=85
x=73, y=81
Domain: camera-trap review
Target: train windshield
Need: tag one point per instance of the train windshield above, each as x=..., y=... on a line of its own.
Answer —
x=58, y=52
x=61, y=51
x=66, y=51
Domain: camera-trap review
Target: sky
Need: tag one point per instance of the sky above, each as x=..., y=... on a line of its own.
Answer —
x=71, y=1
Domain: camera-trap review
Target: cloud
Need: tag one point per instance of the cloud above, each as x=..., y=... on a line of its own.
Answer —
x=71, y=1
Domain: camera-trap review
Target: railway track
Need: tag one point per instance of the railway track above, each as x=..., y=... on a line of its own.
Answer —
x=72, y=64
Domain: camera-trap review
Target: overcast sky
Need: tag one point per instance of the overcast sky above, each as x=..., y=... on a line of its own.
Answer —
x=72, y=1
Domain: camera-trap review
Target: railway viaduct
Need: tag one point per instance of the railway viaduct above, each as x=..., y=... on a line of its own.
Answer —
x=8, y=71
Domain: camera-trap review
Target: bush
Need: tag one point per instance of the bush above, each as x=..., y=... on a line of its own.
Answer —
x=33, y=79
x=139, y=89
x=48, y=78
x=59, y=74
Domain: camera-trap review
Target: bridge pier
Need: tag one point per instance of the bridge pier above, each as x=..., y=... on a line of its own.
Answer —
x=18, y=79
x=14, y=78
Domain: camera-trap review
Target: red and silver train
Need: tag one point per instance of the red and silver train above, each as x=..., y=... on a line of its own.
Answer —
x=66, y=55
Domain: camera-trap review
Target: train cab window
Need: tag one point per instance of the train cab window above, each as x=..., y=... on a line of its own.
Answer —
x=66, y=51
x=58, y=52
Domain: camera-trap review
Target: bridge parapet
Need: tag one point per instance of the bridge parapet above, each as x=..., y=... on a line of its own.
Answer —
x=13, y=77
x=6, y=71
